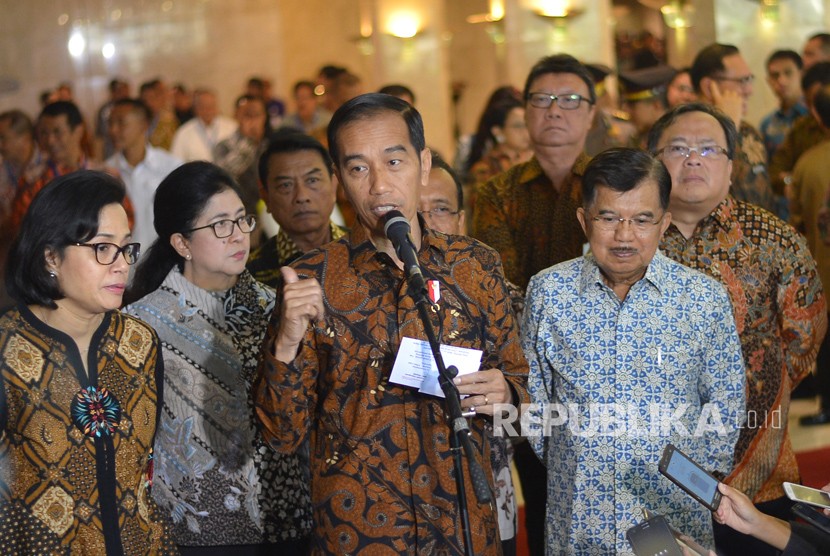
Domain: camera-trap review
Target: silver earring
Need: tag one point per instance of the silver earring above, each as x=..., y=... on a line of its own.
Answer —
x=52, y=274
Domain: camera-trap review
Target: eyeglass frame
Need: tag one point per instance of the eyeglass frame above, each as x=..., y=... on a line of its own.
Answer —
x=119, y=250
x=431, y=212
x=718, y=151
x=741, y=81
x=555, y=98
x=636, y=226
x=237, y=221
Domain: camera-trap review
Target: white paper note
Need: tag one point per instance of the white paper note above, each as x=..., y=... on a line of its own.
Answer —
x=414, y=365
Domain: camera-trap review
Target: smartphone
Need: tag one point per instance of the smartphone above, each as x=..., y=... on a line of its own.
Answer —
x=807, y=495
x=688, y=475
x=653, y=538
x=813, y=517
x=689, y=544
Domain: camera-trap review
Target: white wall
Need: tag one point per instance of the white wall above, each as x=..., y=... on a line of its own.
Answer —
x=219, y=43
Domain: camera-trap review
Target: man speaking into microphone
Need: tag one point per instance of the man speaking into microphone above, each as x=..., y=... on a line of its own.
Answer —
x=343, y=358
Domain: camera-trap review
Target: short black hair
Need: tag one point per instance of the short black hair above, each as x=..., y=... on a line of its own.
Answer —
x=818, y=73
x=824, y=38
x=288, y=141
x=19, y=122
x=115, y=83
x=785, y=54
x=303, y=85
x=63, y=213
x=667, y=119
x=63, y=108
x=560, y=63
x=370, y=104
x=332, y=72
x=398, y=90
x=623, y=169
x=821, y=102
x=709, y=61
x=246, y=98
x=440, y=163
x=137, y=106
x=149, y=85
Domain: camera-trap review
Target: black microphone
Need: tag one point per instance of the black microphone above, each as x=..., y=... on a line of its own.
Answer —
x=396, y=228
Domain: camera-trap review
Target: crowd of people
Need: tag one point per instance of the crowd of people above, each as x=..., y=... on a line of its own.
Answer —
x=204, y=348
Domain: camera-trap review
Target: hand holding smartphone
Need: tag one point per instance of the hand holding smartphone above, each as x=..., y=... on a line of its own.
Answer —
x=691, y=477
x=812, y=496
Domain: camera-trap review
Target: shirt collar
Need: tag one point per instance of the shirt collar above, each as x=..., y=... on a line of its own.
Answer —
x=287, y=250
x=362, y=248
x=722, y=215
x=656, y=274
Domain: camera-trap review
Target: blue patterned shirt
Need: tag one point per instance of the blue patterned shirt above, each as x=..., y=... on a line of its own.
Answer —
x=621, y=379
x=777, y=124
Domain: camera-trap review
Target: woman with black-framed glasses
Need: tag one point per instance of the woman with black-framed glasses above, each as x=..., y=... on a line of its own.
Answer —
x=225, y=490
x=79, y=382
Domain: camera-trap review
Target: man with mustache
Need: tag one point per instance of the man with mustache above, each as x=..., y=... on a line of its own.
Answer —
x=628, y=351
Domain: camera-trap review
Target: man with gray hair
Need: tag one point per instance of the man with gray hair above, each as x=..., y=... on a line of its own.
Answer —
x=198, y=137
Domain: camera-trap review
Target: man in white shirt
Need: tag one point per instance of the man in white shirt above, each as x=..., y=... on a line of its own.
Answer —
x=140, y=165
x=196, y=139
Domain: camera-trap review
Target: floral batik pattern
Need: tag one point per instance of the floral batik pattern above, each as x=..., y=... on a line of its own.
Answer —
x=381, y=468
x=781, y=314
x=613, y=382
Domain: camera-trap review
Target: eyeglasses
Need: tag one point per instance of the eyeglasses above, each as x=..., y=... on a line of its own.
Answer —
x=224, y=228
x=640, y=224
x=683, y=88
x=439, y=213
x=107, y=253
x=674, y=152
x=742, y=81
x=565, y=102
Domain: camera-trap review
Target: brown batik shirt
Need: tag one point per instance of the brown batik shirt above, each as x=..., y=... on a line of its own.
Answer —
x=750, y=181
x=532, y=225
x=780, y=312
x=381, y=468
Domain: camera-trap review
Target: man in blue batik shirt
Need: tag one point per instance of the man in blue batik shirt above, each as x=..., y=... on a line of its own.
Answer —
x=628, y=351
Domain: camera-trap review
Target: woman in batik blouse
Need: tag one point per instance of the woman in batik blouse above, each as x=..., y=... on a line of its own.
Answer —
x=79, y=383
x=226, y=492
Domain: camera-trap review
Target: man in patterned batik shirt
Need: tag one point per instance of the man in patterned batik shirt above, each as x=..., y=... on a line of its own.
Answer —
x=442, y=208
x=779, y=304
x=721, y=77
x=628, y=351
x=298, y=186
x=382, y=478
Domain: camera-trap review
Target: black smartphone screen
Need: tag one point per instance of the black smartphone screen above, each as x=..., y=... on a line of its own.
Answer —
x=653, y=538
x=687, y=474
x=812, y=516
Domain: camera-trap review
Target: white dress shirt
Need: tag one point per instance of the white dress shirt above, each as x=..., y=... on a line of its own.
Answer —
x=142, y=182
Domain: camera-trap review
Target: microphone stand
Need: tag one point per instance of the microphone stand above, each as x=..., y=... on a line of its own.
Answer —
x=460, y=434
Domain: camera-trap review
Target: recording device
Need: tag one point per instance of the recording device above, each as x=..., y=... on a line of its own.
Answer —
x=653, y=538
x=813, y=517
x=808, y=495
x=691, y=477
x=396, y=228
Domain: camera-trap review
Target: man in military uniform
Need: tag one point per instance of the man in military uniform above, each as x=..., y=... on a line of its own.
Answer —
x=644, y=97
x=611, y=126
